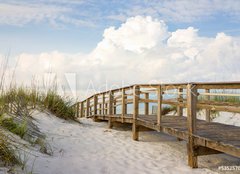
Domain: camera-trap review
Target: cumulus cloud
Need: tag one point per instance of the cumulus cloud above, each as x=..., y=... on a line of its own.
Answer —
x=130, y=35
x=142, y=50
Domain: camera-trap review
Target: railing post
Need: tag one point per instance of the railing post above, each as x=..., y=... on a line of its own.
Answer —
x=103, y=104
x=135, y=127
x=123, y=104
x=81, y=109
x=95, y=101
x=191, y=121
x=106, y=108
x=95, y=107
x=159, y=106
x=207, y=97
x=114, y=105
x=87, y=107
x=77, y=109
x=180, y=100
x=146, y=104
x=110, y=111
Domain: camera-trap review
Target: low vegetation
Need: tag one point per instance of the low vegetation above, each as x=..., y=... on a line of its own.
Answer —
x=16, y=107
x=168, y=109
x=17, y=128
x=60, y=106
x=7, y=154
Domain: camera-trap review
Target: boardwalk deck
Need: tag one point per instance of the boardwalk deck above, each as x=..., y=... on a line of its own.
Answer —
x=221, y=137
x=203, y=137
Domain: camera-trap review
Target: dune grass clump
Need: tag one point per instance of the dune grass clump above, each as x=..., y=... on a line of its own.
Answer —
x=19, y=129
x=20, y=101
x=16, y=107
x=230, y=99
x=60, y=106
x=7, y=154
x=220, y=98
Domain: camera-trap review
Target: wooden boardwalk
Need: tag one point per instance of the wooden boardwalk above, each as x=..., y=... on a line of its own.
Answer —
x=132, y=105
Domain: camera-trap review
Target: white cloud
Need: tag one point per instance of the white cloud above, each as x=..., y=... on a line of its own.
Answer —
x=184, y=38
x=130, y=35
x=139, y=51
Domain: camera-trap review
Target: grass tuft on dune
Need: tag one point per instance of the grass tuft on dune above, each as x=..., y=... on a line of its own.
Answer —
x=16, y=107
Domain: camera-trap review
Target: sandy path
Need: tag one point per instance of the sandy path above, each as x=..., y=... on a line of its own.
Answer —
x=91, y=148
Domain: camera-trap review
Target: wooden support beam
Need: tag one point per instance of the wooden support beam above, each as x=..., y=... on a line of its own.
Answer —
x=77, y=110
x=115, y=107
x=135, y=128
x=87, y=108
x=126, y=105
x=110, y=110
x=106, y=108
x=141, y=100
x=110, y=122
x=100, y=109
x=191, y=121
x=180, y=100
x=82, y=109
x=159, y=106
x=208, y=111
x=146, y=105
x=103, y=104
x=90, y=111
x=110, y=103
x=123, y=104
x=95, y=104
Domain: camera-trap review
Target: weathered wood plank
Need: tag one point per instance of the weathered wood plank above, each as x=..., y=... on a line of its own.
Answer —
x=95, y=105
x=146, y=105
x=110, y=110
x=82, y=109
x=143, y=100
x=191, y=119
x=159, y=106
x=123, y=104
x=103, y=104
x=87, y=107
x=180, y=100
x=135, y=130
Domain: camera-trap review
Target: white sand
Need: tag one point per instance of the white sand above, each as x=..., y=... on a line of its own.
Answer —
x=92, y=149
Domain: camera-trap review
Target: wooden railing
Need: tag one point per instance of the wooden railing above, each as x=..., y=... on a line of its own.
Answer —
x=118, y=101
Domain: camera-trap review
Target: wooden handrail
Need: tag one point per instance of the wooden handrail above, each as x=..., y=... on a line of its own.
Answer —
x=119, y=99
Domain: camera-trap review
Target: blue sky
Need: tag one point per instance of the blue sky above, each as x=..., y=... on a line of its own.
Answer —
x=77, y=25
x=133, y=41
